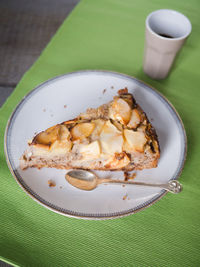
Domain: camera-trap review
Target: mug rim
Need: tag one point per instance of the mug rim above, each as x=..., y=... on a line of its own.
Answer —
x=165, y=38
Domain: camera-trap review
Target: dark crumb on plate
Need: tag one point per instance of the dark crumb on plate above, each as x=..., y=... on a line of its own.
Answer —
x=60, y=187
x=126, y=174
x=51, y=115
x=44, y=110
x=51, y=183
x=123, y=185
x=65, y=106
x=35, y=133
x=104, y=90
x=112, y=87
x=129, y=176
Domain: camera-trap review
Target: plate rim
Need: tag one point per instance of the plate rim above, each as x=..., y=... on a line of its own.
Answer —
x=80, y=215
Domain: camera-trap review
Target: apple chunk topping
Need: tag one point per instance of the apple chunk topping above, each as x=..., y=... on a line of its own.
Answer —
x=82, y=130
x=134, y=141
x=90, y=150
x=120, y=111
x=135, y=119
x=111, y=139
x=47, y=137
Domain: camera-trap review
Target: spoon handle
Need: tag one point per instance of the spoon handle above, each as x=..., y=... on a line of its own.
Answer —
x=172, y=186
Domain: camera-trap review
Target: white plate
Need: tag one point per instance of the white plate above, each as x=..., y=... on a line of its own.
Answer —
x=45, y=106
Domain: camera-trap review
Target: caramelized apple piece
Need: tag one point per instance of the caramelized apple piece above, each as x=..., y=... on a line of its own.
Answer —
x=47, y=137
x=134, y=141
x=82, y=130
x=120, y=110
x=111, y=139
x=135, y=119
x=99, y=123
x=64, y=133
x=63, y=143
x=62, y=146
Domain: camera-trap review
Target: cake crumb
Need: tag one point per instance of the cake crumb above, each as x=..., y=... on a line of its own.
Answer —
x=112, y=87
x=104, y=90
x=51, y=183
x=128, y=198
x=125, y=197
x=60, y=187
x=51, y=115
x=65, y=106
x=132, y=176
x=30, y=140
x=126, y=175
x=129, y=176
x=44, y=109
x=123, y=91
x=123, y=185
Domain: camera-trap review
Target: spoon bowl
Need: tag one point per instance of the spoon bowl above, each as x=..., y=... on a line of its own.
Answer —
x=86, y=180
x=81, y=179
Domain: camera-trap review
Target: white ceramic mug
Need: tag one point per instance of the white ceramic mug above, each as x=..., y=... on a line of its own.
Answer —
x=166, y=32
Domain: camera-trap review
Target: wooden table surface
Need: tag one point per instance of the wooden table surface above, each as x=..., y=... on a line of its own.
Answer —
x=26, y=26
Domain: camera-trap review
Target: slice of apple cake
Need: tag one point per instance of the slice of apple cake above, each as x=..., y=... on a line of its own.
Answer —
x=114, y=136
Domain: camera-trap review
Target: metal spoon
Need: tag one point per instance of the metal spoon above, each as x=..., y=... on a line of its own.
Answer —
x=87, y=180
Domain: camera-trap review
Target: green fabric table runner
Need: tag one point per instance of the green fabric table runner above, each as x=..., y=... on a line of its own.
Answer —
x=109, y=35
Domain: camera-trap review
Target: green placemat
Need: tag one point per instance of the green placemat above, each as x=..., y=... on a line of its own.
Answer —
x=109, y=35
